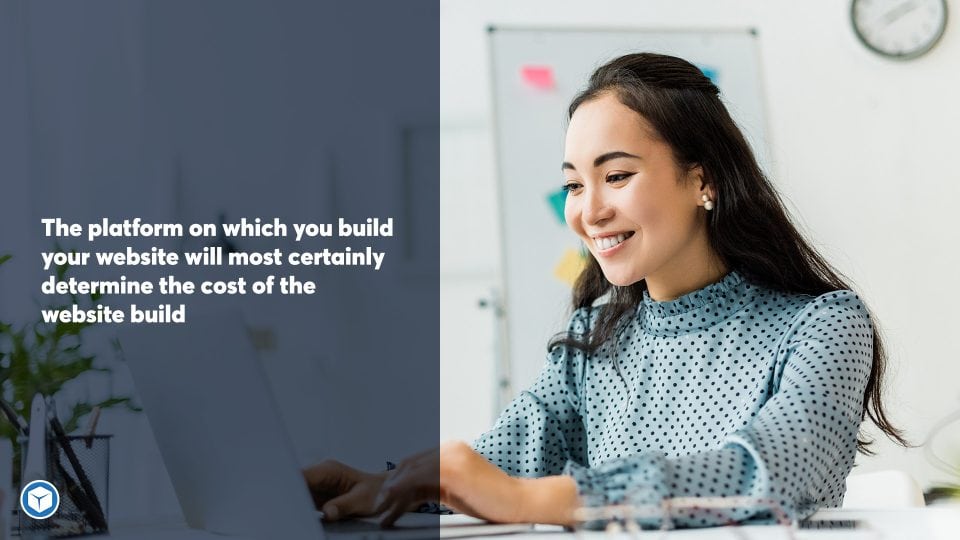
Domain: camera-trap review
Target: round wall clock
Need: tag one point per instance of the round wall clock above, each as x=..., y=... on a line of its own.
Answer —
x=900, y=29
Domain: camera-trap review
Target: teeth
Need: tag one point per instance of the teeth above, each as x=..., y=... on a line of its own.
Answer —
x=608, y=242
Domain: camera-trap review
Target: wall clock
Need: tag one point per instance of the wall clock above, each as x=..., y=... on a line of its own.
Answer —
x=899, y=29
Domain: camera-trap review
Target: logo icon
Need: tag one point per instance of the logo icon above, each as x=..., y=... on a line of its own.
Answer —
x=39, y=499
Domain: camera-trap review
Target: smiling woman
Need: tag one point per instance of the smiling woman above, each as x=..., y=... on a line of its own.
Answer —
x=712, y=352
x=627, y=172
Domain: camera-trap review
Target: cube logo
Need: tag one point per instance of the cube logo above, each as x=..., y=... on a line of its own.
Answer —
x=39, y=499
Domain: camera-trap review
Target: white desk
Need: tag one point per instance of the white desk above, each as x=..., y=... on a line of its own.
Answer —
x=934, y=523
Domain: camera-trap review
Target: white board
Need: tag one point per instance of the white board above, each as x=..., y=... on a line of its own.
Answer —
x=529, y=126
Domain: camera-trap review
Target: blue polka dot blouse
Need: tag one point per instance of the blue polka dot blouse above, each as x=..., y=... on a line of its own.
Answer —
x=731, y=390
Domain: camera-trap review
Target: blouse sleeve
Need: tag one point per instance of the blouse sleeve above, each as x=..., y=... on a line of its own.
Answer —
x=797, y=450
x=542, y=430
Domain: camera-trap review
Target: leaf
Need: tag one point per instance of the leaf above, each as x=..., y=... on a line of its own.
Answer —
x=79, y=411
x=70, y=328
x=39, y=336
x=82, y=409
x=127, y=402
x=5, y=258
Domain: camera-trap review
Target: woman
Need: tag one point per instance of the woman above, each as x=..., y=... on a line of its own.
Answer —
x=712, y=352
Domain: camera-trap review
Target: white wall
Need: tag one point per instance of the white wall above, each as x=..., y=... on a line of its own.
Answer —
x=861, y=150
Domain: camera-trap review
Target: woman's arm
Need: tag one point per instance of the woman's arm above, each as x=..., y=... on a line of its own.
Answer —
x=542, y=429
x=536, y=436
x=512, y=472
x=472, y=485
x=455, y=474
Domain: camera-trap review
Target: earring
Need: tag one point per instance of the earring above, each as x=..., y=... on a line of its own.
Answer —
x=707, y=203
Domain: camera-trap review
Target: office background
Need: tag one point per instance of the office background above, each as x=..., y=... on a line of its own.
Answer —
x=860, y=147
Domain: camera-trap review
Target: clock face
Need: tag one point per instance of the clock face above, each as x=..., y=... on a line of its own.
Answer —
x=900, y=29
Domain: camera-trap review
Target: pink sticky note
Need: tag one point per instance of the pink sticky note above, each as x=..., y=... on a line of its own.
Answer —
x=538, y=76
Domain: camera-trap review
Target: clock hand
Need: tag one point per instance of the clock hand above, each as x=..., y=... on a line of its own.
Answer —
x=896, y=13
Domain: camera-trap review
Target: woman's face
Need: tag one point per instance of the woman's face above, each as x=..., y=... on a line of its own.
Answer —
x=633, y=206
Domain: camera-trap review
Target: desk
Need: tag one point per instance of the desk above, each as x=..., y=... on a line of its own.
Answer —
x=934, y=523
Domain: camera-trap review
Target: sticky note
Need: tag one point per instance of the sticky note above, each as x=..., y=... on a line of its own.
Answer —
x=570, y=266
x=540, y=77
x=557, y=200
x=711, y=74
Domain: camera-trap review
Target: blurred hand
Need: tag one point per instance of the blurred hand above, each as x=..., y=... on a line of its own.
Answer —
x=416, y=480
x=453, y=474
x=341, y=491
x=456, y=475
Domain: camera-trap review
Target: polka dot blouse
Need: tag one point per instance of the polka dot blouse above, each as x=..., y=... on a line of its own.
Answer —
x=731, y=390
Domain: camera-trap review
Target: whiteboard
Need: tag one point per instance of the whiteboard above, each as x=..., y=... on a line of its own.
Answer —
x=529, y=125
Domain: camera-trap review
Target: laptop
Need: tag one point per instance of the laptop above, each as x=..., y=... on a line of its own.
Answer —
x=220, y=434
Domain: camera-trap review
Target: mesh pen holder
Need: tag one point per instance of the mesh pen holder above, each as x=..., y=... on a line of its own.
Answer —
x=83, y=495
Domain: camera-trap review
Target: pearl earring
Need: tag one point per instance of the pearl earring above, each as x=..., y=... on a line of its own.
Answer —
x=707, y=203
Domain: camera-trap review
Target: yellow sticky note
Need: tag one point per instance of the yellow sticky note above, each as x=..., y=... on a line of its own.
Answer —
x=569, y=267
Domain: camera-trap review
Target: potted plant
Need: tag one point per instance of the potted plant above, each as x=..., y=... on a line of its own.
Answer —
x=40, y=358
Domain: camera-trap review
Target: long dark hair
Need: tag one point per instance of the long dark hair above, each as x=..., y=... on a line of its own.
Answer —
x=749, y=228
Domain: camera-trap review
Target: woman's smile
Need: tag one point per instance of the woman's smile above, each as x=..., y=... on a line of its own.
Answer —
x=609, y=244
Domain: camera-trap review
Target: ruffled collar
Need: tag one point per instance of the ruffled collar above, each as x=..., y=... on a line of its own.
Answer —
x=699, y=309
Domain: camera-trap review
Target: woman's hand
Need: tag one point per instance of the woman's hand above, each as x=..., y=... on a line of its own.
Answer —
x=472, y=485
x=454, y=474
x=416, y=480
x=341, y=491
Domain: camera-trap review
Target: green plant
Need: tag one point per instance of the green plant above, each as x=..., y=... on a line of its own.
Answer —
x=41, y=357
